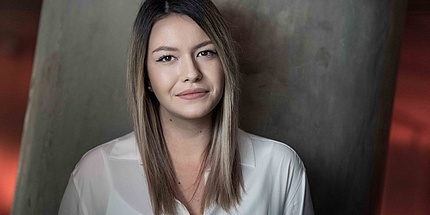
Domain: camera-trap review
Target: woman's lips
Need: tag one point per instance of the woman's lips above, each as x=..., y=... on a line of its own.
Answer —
x=191, y=94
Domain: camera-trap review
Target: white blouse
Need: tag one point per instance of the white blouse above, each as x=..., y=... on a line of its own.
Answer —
x=110, y=179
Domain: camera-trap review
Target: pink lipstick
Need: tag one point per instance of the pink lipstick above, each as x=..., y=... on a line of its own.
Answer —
x=192, y=94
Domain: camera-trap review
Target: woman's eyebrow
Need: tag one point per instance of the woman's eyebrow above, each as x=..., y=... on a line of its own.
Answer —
x=168, y=48
x=205, y=43
x=165, y=48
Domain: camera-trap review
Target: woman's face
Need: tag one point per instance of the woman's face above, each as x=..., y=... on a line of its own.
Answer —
x=184, y=69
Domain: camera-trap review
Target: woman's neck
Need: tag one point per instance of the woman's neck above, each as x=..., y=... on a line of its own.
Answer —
x=186, y=139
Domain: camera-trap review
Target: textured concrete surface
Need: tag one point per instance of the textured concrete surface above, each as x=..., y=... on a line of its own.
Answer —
x=317, y=75
x=77, y=98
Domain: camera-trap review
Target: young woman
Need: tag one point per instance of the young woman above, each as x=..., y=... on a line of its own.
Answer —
x=186, y=155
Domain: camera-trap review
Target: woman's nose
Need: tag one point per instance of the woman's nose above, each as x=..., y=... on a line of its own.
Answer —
x=190, y=70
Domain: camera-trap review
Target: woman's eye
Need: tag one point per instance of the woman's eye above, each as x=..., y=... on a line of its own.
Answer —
x=207, y=53
x=165, y=58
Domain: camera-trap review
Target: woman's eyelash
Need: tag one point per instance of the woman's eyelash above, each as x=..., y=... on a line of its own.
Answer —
x=164, y=58
x=207, y=53
x=168, y=58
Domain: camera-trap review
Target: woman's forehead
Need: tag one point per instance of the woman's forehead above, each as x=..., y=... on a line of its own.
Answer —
x=176, y=30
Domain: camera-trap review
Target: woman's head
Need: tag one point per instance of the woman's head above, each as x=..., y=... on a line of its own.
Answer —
x=184, y=70
x=224, y=182
x=206, y=16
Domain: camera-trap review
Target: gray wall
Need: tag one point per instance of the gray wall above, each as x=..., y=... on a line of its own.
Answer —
x=318, y=75
x=77, y=97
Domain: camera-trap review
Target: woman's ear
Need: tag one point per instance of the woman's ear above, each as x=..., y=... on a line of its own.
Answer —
x=149, y=86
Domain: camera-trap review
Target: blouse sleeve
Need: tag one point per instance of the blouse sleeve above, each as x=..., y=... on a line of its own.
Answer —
x=300, y=203
x=71, y=202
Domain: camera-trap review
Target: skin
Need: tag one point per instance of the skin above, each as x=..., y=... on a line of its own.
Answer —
x=180, y=59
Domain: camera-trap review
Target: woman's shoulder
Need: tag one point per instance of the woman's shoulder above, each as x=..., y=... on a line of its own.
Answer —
x=95, y=160
x=264, y=149
x=106, y=178
x=273, y=170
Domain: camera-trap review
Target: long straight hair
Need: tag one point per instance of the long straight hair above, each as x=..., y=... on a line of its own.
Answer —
x=224, y=183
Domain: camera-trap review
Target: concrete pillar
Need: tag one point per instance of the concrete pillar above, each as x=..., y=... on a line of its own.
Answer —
x=77, y=97
x=318, y=75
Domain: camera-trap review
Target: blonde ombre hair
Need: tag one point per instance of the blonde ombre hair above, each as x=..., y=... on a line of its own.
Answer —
x=224, y=183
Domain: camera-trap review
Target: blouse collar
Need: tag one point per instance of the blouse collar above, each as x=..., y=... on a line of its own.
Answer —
x=126, y=148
